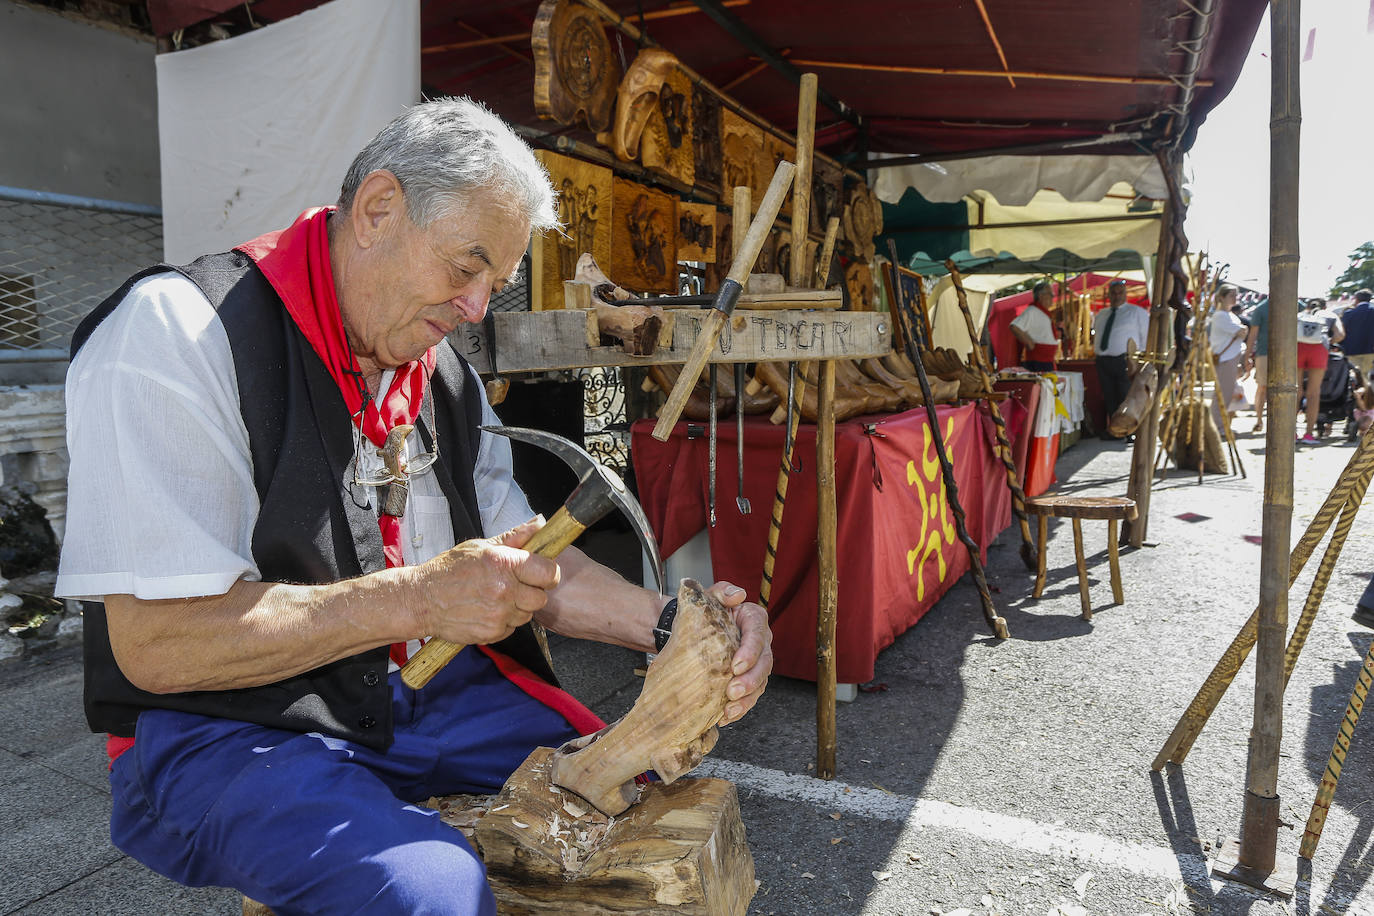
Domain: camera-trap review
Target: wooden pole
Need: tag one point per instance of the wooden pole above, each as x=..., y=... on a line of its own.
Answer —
x=1260, y=815
x=1143, y=457
x=801, y=182
x=827, y=515
x=998, y=74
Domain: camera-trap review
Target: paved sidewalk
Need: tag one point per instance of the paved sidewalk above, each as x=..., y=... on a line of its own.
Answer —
x=985, y=778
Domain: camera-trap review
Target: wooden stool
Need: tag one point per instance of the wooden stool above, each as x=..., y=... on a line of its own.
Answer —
x=1077, y=508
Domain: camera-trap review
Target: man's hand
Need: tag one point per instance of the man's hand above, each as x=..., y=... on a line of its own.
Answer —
x=478, y=592
x=753, y=660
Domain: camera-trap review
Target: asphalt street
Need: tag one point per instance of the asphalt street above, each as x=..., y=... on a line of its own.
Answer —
x=975, y=776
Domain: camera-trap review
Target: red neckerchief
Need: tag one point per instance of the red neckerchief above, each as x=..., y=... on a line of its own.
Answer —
x=295, y=260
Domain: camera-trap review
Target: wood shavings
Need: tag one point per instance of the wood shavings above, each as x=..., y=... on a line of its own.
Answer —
x=519, y=824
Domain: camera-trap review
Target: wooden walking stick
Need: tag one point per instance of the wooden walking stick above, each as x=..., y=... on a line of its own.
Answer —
x=1358, y=471
x=998, y=624
x=1018, y=496
x=1336, y=762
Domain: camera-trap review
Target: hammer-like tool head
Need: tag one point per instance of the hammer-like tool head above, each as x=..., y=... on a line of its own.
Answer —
x=599, y=489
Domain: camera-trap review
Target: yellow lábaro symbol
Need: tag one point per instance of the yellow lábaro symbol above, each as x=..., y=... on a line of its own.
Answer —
x=935, y=516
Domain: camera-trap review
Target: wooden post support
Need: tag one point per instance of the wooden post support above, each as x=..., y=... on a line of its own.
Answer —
x=1260, y=818
x=801, y=185
x=826, y=536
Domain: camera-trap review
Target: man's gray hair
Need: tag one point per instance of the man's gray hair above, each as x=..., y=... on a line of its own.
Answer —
x=443, y=150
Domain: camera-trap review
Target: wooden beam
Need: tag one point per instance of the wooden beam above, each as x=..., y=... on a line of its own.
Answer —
x=992, y=33
x=681, y=10
x=995, y=74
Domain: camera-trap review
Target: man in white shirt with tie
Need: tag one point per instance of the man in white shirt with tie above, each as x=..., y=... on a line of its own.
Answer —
x=1117, y=329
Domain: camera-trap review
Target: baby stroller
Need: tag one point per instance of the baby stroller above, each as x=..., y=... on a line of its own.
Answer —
x=1338, y=395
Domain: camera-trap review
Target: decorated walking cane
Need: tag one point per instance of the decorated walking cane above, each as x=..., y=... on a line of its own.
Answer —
x=1018, y=495
x=903, y=312
x=1339, y=748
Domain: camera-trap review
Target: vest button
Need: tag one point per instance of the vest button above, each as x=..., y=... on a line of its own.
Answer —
x=366, y=722
x=371, y=678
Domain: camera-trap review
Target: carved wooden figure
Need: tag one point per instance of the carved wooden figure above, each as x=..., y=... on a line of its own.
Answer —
x=696, y=232
x=643, y=255
x=619, y=314
x=673, y=723
x=859, y=279
x=744, y=154
x=827, y=185
x=666, y=143
x=637, y=101
x=863, y=219
x=576, y=72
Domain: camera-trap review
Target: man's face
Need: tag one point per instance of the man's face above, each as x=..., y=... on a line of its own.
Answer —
x=409, y=287
x=1116, y=294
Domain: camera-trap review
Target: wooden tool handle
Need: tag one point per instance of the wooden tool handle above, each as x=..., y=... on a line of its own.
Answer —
x=746, y=253
x=558, y=533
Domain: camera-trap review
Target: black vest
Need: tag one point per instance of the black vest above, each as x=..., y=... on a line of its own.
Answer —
x=312, y=527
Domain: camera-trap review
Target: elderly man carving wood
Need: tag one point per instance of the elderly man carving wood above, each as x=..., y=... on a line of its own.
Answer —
x=254, y=584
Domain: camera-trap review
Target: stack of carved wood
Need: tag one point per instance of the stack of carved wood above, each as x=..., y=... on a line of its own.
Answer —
x=869, y=386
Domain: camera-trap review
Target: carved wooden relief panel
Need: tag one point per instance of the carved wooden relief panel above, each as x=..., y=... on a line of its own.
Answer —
x=863, y=219
x=637, y=101
x=643, y=238
x=859, y=278
x=584, y=209
x=576, y=72
x=717, y=272
x=768, y=255
x=743, y=151
x=666, y=143
x=827, y=184
x=706, y=145
x=696, y=232
x=778, y=150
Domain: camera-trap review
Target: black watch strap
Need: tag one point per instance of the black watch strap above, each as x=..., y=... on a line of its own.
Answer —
x=664, y=628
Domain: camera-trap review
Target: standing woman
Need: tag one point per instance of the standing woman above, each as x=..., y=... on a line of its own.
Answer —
x=1226, y=335
x=1317, y=331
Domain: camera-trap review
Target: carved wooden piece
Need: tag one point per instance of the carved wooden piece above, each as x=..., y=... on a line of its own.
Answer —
x=576, y=71
x=619, y=314
x=774, y=375
x=673, y=723
x=681, y=850
x=643, y=255
x=637, y=101
x=859, y=279
x=863, y=219
x=744, y=154
x=666, y=143
x=584, y=208
x=698, y=406
x=706, y=141
x=696, y=232
x=1141, y=395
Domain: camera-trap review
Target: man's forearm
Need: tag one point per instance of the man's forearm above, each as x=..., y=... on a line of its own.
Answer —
x=256, y=633
x=593, y=602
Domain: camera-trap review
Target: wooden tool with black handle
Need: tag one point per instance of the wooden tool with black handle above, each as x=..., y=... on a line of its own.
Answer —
x=726, y=297
x=599, y=490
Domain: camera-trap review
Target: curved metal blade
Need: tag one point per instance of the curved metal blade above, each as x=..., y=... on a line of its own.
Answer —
x=585, y=466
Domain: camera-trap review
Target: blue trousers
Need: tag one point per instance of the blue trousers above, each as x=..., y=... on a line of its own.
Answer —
x=310, y=824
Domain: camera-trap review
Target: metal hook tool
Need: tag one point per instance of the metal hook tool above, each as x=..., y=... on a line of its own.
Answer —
x=740, y=501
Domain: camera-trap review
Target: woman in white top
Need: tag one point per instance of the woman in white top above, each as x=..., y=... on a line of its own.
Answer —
x=1226, y=335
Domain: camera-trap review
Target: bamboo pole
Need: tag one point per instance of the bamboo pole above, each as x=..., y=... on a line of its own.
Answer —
x=1260, y=813
x=1142, y=458
x=1018, y=496
x=1326, y=790
x=1190, y=724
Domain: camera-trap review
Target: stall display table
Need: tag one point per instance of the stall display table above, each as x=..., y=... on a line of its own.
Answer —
x=1035, y=445
x=1094, y=411
x=898, y=548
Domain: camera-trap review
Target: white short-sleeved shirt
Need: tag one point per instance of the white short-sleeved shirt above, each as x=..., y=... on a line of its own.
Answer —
x=1132, y=323
x=1225, y=335
x=161, y=501
x=1036, y=325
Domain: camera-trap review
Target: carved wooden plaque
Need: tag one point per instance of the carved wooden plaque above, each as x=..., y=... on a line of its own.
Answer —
x=637, y=100
x=584, y=209
x=768, y=255
x=859, y=279
x=576, y=72
x=696, y=232
x=863, y=219
x=718, y=271
x=666, y=144
x=778, y=150
x=643, y=238
x=827, y=185
x=742, y=146
x=706, y=146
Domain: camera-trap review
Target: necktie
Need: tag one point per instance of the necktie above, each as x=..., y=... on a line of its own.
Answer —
x=1107, y=331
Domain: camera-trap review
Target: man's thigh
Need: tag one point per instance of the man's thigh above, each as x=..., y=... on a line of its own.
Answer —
x=1362, y=361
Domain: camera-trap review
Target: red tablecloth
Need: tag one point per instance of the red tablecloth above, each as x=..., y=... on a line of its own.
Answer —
x=898, y=546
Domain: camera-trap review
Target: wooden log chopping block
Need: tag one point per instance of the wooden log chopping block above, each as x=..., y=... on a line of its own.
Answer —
x=729, y=293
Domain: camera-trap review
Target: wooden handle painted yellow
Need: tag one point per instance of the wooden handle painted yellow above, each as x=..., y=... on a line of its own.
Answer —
x=746, y=253
x=558, y=533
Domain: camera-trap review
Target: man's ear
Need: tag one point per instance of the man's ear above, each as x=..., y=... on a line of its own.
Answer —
x=378, y=207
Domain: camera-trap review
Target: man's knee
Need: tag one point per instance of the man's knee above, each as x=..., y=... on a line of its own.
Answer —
x=429, y=877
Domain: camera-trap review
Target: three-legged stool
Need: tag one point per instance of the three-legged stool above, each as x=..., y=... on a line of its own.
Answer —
x=1112, y=508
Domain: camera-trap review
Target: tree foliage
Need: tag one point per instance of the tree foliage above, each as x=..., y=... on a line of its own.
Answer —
x=1358, y=275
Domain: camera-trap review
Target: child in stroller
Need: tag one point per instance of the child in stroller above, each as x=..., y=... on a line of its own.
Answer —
x=1338, y=395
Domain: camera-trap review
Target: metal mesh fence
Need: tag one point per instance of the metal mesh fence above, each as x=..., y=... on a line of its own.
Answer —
x=58, y=261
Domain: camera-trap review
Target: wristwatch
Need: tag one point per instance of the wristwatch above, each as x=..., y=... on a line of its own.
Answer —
x=664, y=628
